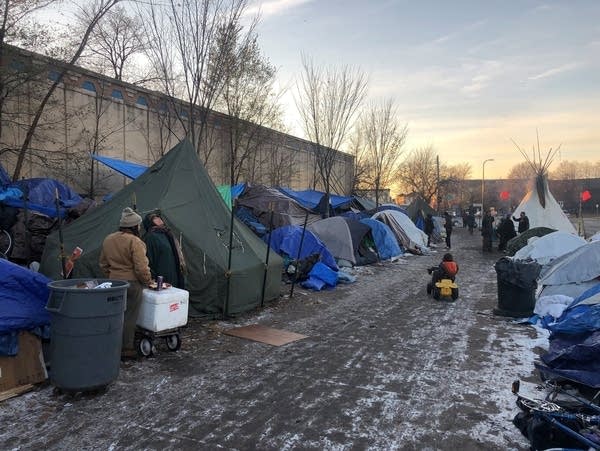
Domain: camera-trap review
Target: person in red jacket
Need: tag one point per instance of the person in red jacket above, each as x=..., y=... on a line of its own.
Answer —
x=447, y=269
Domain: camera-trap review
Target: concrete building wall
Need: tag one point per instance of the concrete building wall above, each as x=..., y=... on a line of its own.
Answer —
x=90, y=113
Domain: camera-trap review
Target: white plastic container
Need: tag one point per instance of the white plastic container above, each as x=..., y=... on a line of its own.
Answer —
x=164, y=309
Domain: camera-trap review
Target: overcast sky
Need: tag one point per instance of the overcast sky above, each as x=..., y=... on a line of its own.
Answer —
x=468, y=76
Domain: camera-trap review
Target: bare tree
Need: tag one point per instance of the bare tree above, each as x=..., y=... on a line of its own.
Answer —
x=570, y=170
x=328, y=100
x=361, y=170
x=251, y=103
x=98, y=10
x=18, y=27
x=453, y=184
x=521, y=171
x=113, y=44
x=278, y=166
x=181, y=37
x=385, y=137
x=418, y=173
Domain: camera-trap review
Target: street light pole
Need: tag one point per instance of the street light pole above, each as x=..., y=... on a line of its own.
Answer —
x=483, y=183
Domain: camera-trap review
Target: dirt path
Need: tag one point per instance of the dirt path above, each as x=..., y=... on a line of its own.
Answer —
x=384, y=367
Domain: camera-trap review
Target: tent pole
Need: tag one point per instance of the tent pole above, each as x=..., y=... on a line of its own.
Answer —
x=26, y=219
x=264, y=284
x=298, y=256
x=63, y=260
x=229, y=258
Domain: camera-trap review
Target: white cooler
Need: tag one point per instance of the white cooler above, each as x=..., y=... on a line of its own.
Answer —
x=164, y=309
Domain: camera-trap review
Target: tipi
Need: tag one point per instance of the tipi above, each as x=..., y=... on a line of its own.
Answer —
x=539, y=204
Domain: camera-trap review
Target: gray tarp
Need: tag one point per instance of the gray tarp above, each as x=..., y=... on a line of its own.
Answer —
x=580, y=265
x=335, y=235
x=260, y=199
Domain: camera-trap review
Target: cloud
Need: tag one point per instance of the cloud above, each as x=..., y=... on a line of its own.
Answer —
x=456, y=34
x=555, y=71
x=274, y=7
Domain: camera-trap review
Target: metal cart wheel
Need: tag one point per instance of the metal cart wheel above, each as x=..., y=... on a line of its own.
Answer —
x=145, y=347
x=173, y=342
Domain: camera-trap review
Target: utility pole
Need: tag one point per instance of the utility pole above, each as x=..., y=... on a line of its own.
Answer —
x=437, y=183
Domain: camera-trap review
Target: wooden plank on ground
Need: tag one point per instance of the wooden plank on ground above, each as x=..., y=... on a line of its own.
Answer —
x=263, y=334
x=15, y=391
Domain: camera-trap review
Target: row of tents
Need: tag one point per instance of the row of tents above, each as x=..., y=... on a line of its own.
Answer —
x=227, y=270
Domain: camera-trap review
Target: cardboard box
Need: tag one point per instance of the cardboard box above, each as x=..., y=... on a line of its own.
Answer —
x=27, y=367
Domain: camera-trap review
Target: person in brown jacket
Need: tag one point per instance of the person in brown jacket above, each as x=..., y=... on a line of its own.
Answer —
x=123, y=257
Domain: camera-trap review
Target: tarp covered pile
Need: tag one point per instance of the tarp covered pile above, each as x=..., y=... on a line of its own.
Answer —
x=569, y=306
x=23, y=295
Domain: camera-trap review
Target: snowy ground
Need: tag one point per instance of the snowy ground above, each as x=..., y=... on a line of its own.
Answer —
x=384, y=367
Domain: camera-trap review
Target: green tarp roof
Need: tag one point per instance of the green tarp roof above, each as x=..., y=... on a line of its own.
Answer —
x=179, y=186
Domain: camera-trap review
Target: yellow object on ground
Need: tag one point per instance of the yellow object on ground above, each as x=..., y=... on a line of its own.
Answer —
x=445, y=286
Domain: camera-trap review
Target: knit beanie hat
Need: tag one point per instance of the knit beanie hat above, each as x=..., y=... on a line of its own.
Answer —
x=129, y=218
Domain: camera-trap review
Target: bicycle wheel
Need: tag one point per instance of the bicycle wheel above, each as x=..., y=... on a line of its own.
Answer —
x=5, y=243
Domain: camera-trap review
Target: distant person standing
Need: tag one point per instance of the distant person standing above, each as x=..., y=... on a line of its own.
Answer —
x=506, y=232
x=487, y=230
x=471, y=222
x=428, y=228
x=523, y=221
x=448, y=227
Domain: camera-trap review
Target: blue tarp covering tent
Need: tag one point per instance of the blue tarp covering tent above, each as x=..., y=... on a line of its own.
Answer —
x=24, y=294
x=582, y=316
x=575, y=341
x=574, y=357
x=286, y=242
x=42, y=195
x=126, y=168
x=310, y=198
x=4, y=177
x=384, y=238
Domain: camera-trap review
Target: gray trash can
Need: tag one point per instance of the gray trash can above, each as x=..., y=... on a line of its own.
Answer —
x=516, y=287
x=86, y=331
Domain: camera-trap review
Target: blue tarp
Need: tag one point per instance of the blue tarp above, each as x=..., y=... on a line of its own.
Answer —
x=24, y=294
x=321, y=276
x=385, y=240
x=354, y=215
x=575, y=357
x=286, y=242
x=574, y=349
x=126, y=168
x=246, y=216
x=41, y=196
x=579, y=317
x=310, y=198
x=4, y=177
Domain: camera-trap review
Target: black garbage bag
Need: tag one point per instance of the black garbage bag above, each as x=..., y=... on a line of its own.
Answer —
x=517, y=272
x=516, y=287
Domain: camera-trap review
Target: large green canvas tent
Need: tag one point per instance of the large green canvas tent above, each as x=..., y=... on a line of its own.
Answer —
x=179, y=186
